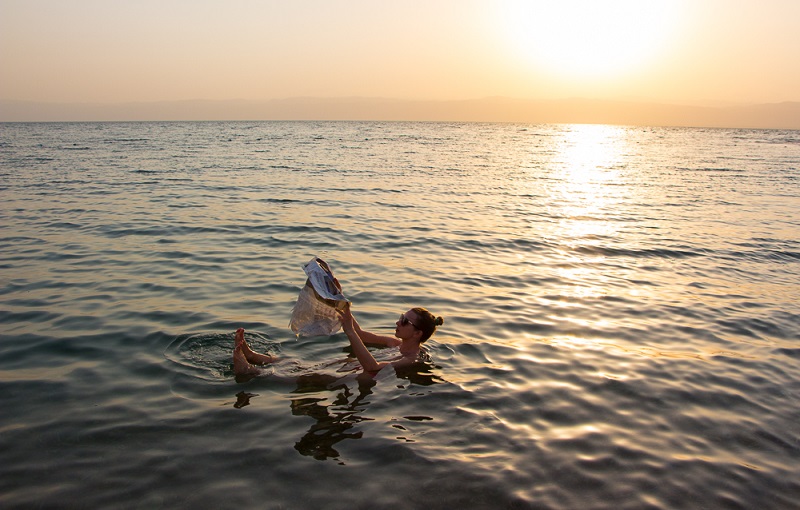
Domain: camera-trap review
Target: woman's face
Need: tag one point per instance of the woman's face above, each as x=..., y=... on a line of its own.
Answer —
x=406, y=325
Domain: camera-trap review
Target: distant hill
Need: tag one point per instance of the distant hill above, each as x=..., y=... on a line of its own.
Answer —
x=492, y=109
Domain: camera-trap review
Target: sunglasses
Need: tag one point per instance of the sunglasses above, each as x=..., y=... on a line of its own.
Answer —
x=404, y=321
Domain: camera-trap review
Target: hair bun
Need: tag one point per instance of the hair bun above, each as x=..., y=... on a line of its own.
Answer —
x=438, y=321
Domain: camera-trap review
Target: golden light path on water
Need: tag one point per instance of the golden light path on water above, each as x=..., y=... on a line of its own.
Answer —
x=582, y=180
x=587, y=187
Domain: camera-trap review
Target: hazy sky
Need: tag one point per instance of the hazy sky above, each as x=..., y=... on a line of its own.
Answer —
x=685, y=51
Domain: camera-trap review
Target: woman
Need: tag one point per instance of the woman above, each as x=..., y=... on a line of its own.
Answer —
x=412, y=329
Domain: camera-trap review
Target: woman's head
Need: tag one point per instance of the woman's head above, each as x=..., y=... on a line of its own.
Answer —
x=424, y=321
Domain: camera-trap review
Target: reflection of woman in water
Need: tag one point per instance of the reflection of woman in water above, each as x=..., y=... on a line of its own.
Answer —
x=412, y=329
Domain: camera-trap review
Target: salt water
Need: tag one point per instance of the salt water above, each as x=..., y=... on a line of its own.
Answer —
x=621, y=315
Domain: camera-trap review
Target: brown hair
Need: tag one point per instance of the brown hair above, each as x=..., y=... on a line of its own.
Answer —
x=427, y=322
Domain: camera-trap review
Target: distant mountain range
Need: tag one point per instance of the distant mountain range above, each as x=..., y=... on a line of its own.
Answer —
x=492, y=109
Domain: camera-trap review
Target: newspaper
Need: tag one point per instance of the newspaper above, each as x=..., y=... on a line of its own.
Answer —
x=315, y=312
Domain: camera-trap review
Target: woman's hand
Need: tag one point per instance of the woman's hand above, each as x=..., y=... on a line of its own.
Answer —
x=357, y=343
x=346, y=316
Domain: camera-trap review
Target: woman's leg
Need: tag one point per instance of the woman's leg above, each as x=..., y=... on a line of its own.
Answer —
x=240, y=364
x=252, y=357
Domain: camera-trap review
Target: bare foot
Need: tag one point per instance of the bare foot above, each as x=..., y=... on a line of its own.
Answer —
x=241, y=342
x=251, y=357
x=239, y=338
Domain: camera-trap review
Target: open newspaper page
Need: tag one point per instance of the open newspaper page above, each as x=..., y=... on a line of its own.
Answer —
x=315, y=314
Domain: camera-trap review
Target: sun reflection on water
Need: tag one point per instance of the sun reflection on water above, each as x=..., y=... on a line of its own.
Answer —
x=587, y=174
x=588, y=185
x=586, y=200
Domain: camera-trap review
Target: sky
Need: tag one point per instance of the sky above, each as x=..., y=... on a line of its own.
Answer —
x=709, y=52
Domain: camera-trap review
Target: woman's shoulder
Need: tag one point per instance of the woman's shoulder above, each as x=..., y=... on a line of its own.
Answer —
x=388, y=341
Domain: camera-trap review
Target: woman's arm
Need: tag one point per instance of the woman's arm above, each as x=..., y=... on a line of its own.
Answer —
x=366, y=336
x=351, y=329
x=372, y=338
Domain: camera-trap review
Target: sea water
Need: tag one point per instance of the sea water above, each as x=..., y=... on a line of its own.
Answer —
x=622, y=327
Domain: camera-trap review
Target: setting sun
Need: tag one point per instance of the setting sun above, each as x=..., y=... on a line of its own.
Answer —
x=583, y=38
x=623, y=62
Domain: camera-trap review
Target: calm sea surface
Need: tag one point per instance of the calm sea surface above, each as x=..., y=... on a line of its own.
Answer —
x=622, y=317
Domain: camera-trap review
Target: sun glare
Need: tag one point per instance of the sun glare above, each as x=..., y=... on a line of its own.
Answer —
x=589, y=183
x=584, y=38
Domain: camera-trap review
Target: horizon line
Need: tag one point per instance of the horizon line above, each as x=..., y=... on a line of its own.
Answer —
x=575, y=110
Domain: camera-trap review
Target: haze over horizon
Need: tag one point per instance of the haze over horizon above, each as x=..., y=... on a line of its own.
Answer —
x=666, y=52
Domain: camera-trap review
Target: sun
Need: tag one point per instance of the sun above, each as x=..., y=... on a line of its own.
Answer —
x=589, y=38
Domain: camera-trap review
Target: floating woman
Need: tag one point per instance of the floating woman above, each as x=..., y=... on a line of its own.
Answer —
x=412, y=329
